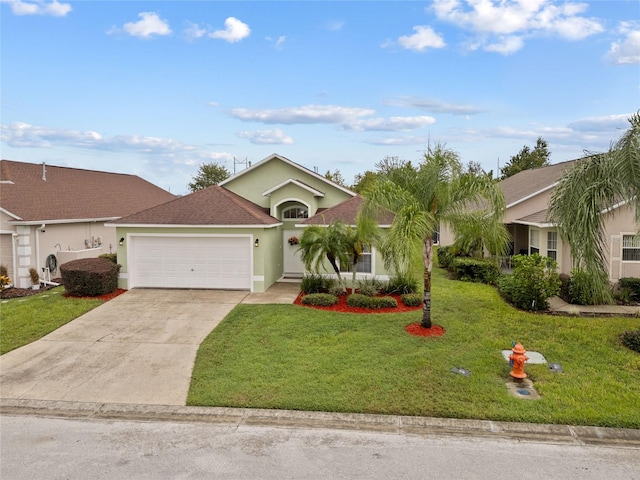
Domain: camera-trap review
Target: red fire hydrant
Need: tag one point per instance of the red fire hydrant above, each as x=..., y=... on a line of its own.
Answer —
x=517, y=359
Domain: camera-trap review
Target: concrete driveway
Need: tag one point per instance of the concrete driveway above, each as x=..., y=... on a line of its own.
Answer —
x=137, y=348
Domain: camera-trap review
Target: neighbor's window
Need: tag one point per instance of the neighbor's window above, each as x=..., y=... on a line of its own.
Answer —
x=534, y=241
x=630, y=248
x=436, y=235
x=552, y=245
x=294, y=213
x=364, y=262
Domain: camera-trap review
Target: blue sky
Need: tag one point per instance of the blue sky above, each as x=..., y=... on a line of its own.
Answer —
x=157, y=88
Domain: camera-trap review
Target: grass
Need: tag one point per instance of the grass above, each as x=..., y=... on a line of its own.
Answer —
x=291, y=357
x=24, y=320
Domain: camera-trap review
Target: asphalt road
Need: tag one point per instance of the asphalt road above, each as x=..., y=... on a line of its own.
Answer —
x=34, y=448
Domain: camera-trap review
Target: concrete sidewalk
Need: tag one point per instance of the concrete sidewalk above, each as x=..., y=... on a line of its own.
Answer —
x=557, y=305
x=392, y=424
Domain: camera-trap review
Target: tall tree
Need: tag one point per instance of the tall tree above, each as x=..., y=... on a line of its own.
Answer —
x=362, y=181
x=365, y=234
x=208, y=174
x=595, y=185
x=331, y=242
x=527, y=159
x=438, y=190
x=335, y=177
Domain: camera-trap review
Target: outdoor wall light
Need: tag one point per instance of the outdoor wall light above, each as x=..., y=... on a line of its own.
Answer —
x=256, y=243
x=121, y=242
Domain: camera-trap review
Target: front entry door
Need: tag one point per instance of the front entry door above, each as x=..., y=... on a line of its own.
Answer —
x=293, y=266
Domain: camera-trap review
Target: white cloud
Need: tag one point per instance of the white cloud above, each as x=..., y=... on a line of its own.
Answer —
x=306, y=114
x=502, y=25
x=335, y=25
x=278, y=42
x=626, y=51
x=266, y=137
x=194, y=31
x=435, y=106
x=234, y=31
x=389, y=124
x=54, y=8
x=424, y=38
x=605, y=123
x=150, y=24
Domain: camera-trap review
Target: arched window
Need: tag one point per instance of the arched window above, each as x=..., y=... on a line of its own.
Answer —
x=293, y=213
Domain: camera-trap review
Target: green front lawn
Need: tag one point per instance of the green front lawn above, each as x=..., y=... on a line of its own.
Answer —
x=291, y=357
x=24, y=320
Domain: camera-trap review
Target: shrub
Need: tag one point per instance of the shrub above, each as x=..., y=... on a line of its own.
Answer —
x=312, y=283
x=565, y=280
x=34, y=276
x=401, y=283
x=581, y=287
x=369, y=287
x=445, y=257
x=471, y=269
x=112, y=257
x=632, y=284
x=411, y=299
x=534, y=280
x=631, y=340
x=373, y=303
x=89, y=277
x=319, y=299
x=3, y=271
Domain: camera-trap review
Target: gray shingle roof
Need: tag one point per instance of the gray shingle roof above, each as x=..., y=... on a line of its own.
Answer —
x=72, y=193
x=345, y=212
x=528, y=182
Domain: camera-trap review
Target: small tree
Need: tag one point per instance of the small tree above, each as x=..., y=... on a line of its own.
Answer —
x=335, y=177
x=209, y=174
x=527, y=159
x=534, y=280
x=331, y=242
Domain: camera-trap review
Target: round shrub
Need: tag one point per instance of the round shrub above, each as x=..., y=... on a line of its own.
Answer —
x=319, y=299
x=89, y=277
x=411, y=299
x=631, y=340
x=373, y=303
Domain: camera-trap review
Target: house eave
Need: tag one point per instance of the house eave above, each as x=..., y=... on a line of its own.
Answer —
x=163, y=225
x=316, y=193
x=61, y=221
x=531, y=195
x=535, y=224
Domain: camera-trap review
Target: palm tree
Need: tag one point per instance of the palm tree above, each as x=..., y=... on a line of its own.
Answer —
x=365, y=234
x=595, y=185
x=437, y=191
x=331, y=242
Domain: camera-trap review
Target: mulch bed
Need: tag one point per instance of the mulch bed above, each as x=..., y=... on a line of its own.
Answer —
x=25, y=292
x=412, y=329
x=106, y=297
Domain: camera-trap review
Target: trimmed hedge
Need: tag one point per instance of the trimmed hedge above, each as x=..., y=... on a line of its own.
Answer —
x=89, y=277
x=373, y=303
x=319, y=299
x=112, y=257
x=470, y=269
x=411, y=299
x=632, y=284
x=445, y=257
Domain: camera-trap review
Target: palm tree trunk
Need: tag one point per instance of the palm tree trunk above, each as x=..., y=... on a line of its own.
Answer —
x=334, y=264
x=427, y=257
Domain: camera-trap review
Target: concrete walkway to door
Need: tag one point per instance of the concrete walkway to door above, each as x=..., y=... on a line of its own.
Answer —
x=137, y=348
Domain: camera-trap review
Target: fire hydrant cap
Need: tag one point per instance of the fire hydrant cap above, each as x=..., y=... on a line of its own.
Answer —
x=518, y=348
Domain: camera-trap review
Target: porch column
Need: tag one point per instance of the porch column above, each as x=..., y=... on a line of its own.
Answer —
x=23, y=251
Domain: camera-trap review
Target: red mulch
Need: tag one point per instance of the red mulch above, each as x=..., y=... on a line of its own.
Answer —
x=342, y=306
x=106, y=297
x=418, y=330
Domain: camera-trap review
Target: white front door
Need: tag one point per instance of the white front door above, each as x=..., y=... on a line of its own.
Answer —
x=293, y=265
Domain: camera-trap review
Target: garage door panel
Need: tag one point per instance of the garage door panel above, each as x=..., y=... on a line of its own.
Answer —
x=191, y=262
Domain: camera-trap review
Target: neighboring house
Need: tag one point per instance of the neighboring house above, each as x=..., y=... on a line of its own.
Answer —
x=240, y=234
x=527, y=195
x=50, y=215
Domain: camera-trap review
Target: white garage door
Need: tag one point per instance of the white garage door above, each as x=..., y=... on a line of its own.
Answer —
x=190, y=262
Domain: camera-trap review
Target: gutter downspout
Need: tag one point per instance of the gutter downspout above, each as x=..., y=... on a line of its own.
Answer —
x=14, y=251
x=38, y=230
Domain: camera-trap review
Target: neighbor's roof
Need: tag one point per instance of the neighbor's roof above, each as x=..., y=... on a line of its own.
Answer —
x=528, y=183
x=346, y=213
x=214, y=206
x=72, y=193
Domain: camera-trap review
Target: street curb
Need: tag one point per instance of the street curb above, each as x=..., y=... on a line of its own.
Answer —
x=393, y=424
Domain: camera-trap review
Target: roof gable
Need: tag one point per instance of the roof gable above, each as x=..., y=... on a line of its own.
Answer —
x=33, y=192
x=274, y=158
x=298, y=183
x=529, y=183
x=212, y=206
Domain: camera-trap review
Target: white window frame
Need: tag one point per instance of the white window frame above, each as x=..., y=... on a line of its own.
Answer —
x=534, y=243
x=552, y=245
x=633, y=244
x=304, y=210
x=368, y=253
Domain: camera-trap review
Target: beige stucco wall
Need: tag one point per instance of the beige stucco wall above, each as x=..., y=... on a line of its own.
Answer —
x=618, y=223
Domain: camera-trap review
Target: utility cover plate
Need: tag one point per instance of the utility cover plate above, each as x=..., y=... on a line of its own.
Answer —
x=534, y=357
x=555, y=367
x=461, y=371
